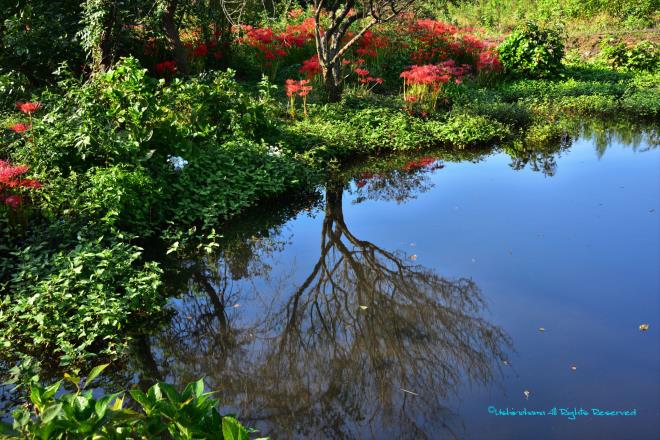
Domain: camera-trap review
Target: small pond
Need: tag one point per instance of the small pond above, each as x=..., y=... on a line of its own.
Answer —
x=423, y=297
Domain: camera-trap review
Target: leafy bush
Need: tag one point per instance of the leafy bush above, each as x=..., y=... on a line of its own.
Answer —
x=13, y=87
x=645, y=55
x=222, y=180
x=163, y=412
x=532, y=51
x=118, y=196
x=76, y=303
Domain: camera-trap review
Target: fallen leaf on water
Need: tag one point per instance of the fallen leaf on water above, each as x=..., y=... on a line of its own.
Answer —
x=505, y=362
x=409, y=392
x=526, y=393
x=573, y=368
x=364, y=307
x=236, y=305
x=413, y=257
x=541, y=329
x=643, y=327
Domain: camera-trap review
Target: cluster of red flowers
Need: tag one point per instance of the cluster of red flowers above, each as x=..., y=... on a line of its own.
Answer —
x=424, y=162
x=202, y=49
x=28, y=107
x=311, y=67
x=300, y=88
x=435, y=74
x=166, y=68
x=369, y=44
x=271, y=45
x=437, y=41
x=489, y=61
x=10, y=180
x=19, y=128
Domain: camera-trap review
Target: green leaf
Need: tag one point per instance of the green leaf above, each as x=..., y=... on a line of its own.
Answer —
x=94, y=373
x=233, y=430
x=198, y=387
x=50, y=413
x=141, y=398
x=102, y=404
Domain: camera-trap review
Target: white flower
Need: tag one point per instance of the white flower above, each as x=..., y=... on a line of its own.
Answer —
x=274, y=151
x=177, y=162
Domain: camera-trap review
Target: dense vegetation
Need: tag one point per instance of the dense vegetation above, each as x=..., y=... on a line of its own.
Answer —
x=126, y=124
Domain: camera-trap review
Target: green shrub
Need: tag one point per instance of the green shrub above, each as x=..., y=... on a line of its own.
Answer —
x=645, y=55
x=532, y=51
x=163, y=412
x=13, y=87
x=220, y=181
x=118, y=196
x=78, y=302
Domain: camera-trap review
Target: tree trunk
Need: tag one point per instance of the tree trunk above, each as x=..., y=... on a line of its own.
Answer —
x=106, y=41
x=333, y=83
x=172, y=33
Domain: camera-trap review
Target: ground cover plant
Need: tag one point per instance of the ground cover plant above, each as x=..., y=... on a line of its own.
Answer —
x=159, y=124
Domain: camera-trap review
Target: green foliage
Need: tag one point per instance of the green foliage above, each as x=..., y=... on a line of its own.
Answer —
x=13, y=87
x=78, y=302
x=162, y=412
x=644, y=55
x=37, y=36
x=125, y=116
x=115, y=197
x=532, y=51
x=222, y=180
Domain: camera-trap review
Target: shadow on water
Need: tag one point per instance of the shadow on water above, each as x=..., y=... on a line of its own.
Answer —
x=367, y=343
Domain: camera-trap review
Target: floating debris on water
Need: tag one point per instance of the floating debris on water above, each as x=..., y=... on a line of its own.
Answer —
x=643, y=327
x=526, y=393
x=409, y=392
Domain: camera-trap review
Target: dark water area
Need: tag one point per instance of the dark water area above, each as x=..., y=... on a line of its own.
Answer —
x=427, y=297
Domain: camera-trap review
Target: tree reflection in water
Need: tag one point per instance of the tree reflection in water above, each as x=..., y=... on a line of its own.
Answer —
x=368, y=345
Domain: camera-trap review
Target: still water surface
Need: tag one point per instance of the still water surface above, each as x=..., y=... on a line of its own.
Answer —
x=412, y=296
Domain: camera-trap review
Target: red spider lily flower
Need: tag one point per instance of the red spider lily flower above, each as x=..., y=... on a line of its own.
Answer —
x=371, y=79
x=28, y=107
x=361, y=72
x=166, y=68
x=31, y=183
x=360, y=183
x=9, y=172
x=19, y=128
x=14, y=201
x=345, y=62
x=201, y=51
x=292, y=87
x=311, y=67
